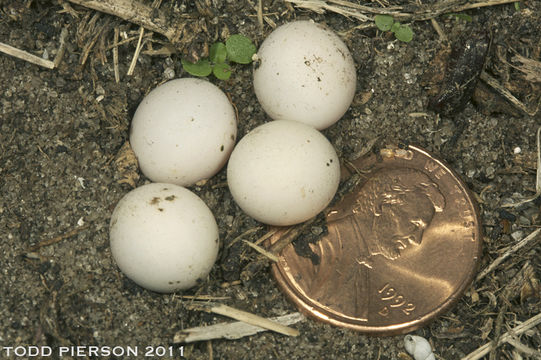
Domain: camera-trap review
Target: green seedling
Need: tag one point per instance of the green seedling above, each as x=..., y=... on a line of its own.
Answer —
x=460, y=16
x=402, y=32
x=237, y=49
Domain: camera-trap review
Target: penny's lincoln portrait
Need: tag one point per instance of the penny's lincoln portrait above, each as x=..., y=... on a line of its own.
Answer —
x=385, y=218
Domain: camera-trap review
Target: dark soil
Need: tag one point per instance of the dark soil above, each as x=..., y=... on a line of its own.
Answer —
x=62, y=129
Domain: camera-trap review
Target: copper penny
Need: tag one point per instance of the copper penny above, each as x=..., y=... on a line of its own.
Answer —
x=401, y=247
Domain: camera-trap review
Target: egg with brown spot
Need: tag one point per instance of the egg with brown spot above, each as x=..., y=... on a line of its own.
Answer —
x=183, y=131
x=164, y=238
x=306, y=73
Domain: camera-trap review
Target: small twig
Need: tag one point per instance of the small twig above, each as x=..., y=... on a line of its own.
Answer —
x=538, y=176
x=529, y=67
x=493, y=355
x=58, y=238
x=61, y=48
x=155, y=5
x=483, y=4
x=115, y=54
x=268, y=235
x=489, y=80
x=425, y=12
x=513, y=288
x=43, y=152
x=210, y=352
x=90, y=45
x=513, y=249
x=438, y=29
x=68, y=9
x=204, y=297
x=485, y=349
x=128, y=40
x=260, y=14
x=267, y=19
x=320, y=7
x=262, y=251
x=290, y=234
x=26, y=56
x=138, y=13
x=246, y=233
x=436, y=26
x=534, y=354
x=137, y=52
x=231, y=331
x=246, y=317
x=285, y=237
x=226, y=285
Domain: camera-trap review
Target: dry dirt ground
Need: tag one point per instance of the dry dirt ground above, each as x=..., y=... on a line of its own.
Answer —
x=61, y=131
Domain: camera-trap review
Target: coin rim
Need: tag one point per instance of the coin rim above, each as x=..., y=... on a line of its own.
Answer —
x=404, y=327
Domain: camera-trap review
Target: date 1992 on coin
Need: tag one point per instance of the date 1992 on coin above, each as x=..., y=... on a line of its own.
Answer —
x=402, y=246
x=393, y=300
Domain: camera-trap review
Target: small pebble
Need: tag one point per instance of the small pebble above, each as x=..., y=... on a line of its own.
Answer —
x=317, y=230
x=169, y=73
x=517, y=235
x=524, y=221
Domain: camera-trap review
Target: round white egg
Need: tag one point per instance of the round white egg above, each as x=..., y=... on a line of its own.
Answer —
x=305, y=73
x=283, y=172
x=163, y=237
x=183, y=131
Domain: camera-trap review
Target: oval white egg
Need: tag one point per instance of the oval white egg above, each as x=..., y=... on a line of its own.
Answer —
x=283, y=172
x=163, y=237
x=183, y=131
x=305, y=73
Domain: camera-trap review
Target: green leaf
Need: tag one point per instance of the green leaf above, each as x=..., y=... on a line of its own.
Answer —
x=460, y=16
x=200, y=68
x=222, y=71
x=395, y=27
x=384, y=22
x=217, y=53
x=403, y=33
x=517, y=6
x=240, y=49
x=464, y=17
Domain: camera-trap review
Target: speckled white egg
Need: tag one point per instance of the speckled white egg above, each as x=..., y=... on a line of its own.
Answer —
x=163, y=237
x=305, y=73
x=183, y=131
x=283, y=172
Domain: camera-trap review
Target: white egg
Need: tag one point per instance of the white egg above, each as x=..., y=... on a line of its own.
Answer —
x=283, y=172
x=183, y=131
x=163, y=237
x=305, y=73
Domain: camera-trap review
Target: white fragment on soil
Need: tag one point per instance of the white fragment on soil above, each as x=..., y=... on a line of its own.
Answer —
x=233, y=330
x=418, y=347
x=517, y=235
x=81, y=181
